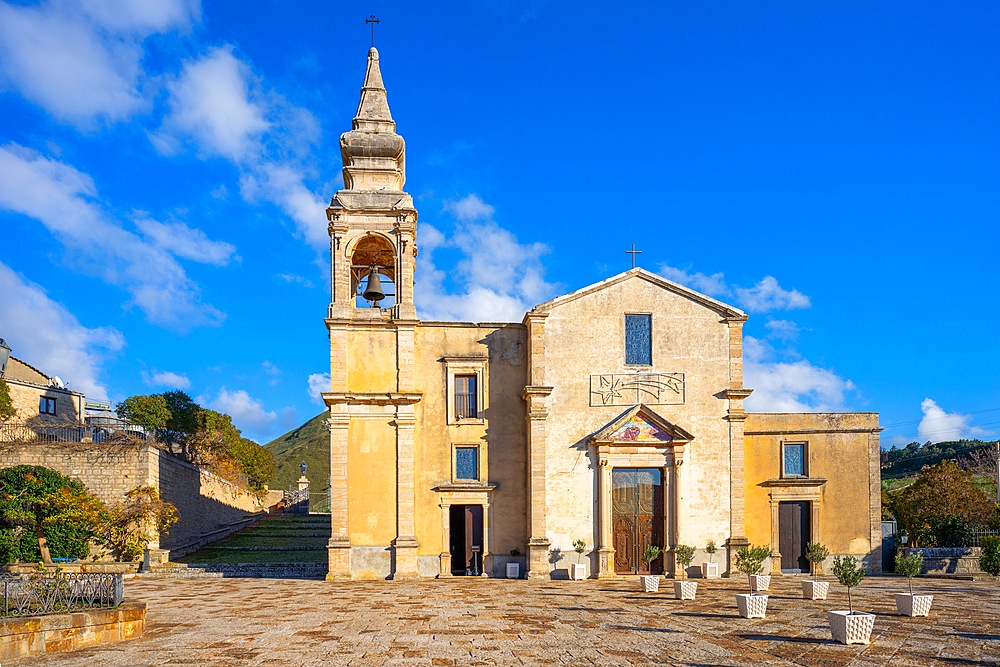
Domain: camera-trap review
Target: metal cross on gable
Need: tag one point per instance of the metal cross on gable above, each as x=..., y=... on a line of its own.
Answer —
x=633, y=252
x=371, y=19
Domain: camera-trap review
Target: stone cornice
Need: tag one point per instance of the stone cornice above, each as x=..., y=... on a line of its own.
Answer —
x=734, y=393
x=457, y=487
x=535, y=391
x=371, y=398
x=794, y=482
x=803, y=431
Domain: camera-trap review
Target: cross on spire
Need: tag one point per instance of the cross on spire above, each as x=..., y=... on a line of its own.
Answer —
x=371, y=19
x=633, y=252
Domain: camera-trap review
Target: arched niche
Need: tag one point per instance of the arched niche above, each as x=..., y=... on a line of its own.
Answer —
x=373, y=250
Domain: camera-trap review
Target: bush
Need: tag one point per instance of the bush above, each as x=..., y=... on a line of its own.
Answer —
x=651, y=553
x=816, y=553
x=989, y=561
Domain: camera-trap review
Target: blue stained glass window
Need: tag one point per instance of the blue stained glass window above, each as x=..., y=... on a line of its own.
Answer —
x=467, y=463
x=795, y=460
x=639, y=340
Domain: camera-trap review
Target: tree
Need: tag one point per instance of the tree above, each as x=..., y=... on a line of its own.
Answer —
x=849, y=573
x=48, y=504
x=750, y=561
x=256, y=462
x=816, y=553
x=129, y=525
x=149, y=411
x=6, y=404
x=939, y=504
x=183, y=420
x=909, y=565
x=684, y=553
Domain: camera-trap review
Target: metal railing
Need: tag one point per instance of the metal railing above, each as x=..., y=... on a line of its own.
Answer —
x=86, y=433
x=976, y=533
x=61, y=593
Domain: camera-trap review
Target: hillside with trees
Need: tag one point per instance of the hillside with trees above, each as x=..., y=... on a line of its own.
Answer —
x=907, y=461
x=309, y=442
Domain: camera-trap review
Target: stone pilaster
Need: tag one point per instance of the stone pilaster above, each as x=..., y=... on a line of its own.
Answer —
x=875, y=499
x=605, y=546
x=735, y=394
x=405, y=544
x=339, y=547
x=535, y=395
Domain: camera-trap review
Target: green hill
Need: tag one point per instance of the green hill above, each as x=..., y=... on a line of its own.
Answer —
x=310, y=443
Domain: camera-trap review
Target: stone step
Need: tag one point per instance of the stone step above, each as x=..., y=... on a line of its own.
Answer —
x=216, y=547
x=178, y=571
x=266, y=570
x=290, y=534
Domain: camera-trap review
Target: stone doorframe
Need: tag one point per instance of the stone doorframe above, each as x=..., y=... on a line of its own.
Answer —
x=611, y=455
x=464, y=494
x=808, y=489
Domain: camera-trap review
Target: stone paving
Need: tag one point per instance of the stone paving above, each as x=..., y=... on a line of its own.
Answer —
x=462, y=621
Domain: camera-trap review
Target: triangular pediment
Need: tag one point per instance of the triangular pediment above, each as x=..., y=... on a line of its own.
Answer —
x=641, y=426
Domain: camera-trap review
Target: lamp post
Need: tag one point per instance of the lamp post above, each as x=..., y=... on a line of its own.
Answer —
x=4, y=356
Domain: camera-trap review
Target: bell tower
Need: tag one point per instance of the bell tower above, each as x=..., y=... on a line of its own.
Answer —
x=372, y=322
x=372, y=221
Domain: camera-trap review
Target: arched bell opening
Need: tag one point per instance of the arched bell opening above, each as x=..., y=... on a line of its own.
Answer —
x=373, y=273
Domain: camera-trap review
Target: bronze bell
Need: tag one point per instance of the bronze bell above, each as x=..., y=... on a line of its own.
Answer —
x=373, y=290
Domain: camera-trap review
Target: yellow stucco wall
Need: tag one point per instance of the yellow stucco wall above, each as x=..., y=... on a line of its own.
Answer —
x=371, y=495
x=840, y=448
x=500, y=436
x=371, y=359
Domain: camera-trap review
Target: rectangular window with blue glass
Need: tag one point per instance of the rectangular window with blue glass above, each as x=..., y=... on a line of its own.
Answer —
x=793, y=459
x=639, y=340
x=467, y=464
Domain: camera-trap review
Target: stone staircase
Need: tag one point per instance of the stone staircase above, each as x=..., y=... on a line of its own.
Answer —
x=282, y=546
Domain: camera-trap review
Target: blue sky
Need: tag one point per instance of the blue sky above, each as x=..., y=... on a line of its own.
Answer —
x=834, y=171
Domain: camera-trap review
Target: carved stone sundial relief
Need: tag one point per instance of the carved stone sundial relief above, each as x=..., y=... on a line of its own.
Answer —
x=632, y=388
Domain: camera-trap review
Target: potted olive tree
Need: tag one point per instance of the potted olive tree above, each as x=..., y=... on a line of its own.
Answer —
x=650, y=582
x=579, y=568
x=710, y=569
x=850, y=627
x=750, y=561
x=813, y=589
x=513, y=565
x=684, y=589
x=908, y=604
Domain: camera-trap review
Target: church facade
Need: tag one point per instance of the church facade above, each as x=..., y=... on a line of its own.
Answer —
x=607, y=420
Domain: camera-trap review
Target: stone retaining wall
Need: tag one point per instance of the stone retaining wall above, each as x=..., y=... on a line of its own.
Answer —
x=949, y=560
x=37, y=635
x=204, y=500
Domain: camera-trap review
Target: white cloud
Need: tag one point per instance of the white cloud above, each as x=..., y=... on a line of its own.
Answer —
x=497, y=278
x=46, y=335
x=189, y=243
x=318, y=383
x=940, y=426
x=768, y=295
x=295, y=279
x=781, y=386
x=169, y=379
x=209, y=103
x=713, y=285
x=63, y=200
x=783, y=330
x=249, y=414
x=468, y=208
x=219, y=107
x=83, y=63
x=765, y=296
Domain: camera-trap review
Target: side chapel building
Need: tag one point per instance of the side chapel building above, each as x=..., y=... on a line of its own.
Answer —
x=612, y=415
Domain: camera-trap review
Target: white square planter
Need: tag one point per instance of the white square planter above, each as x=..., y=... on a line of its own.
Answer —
x=913, y=605
x=513, y=570
x=710, y=570
x=650, y=582
x=579, y=571
x=685, y=590
x=760, y=582
x=815, y=590
x=752, y=606
x=848, y=628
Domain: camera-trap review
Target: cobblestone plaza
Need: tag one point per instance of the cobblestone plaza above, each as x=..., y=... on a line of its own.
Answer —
x=464, y=621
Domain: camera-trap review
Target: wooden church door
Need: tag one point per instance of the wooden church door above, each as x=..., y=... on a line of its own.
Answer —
x=636, y=517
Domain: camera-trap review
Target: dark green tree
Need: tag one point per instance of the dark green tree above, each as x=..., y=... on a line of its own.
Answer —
x=150, y=411
x=6, y=405
x=41, y=504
